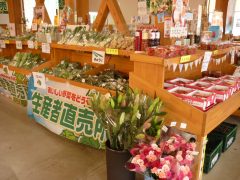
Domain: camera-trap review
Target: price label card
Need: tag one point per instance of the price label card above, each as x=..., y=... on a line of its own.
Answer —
x=183, y=125
x=36, y=45
x=18, y=44
x=233, y=56
x=49, y=38
x=39, y=80
x=5, y=69
x=206, y=60
x=46, y=48
x=215, y=52
x=30, y=44
x=34, y=27
x=112, y=51
x=185, y=59
x=2, y=44
x=98, y=57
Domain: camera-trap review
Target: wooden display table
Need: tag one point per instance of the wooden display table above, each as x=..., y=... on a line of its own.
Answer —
x=150, y=74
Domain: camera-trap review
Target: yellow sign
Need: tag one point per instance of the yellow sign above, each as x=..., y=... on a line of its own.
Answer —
x=7, y=42
x=185, y=59
x=215, y=52
x=112, y=51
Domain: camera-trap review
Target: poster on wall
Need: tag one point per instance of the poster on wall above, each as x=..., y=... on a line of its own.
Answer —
x=3, y=7
x=236, y=24
x=230, y=16
x=179, y=10
x=179, y=21
x=38, y=14
x=217, y=19
x=64, y=109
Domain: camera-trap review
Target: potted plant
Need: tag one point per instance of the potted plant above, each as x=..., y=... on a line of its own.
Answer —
x=127, y=118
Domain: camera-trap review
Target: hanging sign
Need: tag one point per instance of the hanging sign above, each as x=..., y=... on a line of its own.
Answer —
x=142, y=8
x=18, y=44
x=206, y=60
x=98, y=57
x=167, y=26
x=12, y=29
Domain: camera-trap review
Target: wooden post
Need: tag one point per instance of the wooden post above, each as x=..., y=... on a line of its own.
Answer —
x=71, y=4
x=112, y=7
x=46, y=16
x=15, y=14
x=222, y=5
x=83, y=10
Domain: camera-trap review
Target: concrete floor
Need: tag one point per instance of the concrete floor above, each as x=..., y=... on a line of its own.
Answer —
x=30, y=152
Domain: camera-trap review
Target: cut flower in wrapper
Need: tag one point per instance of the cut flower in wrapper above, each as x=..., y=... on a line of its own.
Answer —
x=128, y=117
x=171, y=158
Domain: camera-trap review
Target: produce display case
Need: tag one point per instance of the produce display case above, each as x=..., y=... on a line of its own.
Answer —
x=149, y=75
x=14, y=80
x=62, y=96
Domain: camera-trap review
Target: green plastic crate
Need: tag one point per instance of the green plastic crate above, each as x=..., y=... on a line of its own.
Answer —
x=212, y=153
x=227, y=132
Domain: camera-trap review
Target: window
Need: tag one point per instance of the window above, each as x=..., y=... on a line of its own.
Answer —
x=51, y=7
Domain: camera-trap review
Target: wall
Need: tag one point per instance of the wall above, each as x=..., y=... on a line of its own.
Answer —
x=194, y=3
x=128, y=7
x=4, y=19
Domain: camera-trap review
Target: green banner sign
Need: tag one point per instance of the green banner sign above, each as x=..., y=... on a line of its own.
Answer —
x=3, y=7
x=61, y=4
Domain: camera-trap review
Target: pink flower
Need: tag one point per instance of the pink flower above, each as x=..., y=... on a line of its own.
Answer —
x=151, y=157
x=179, y=157
x=166, y=168
x=161, y=174
x=135, y=159
x=186, y=178
x=154, y=170
x=189, y=157
x=155, y=147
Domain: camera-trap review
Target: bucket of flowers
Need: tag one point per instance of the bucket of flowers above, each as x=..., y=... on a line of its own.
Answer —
x=169, y=159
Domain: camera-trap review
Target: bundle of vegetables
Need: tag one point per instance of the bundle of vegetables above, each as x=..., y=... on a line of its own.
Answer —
x=5, y=60
x=109, y=79
x=68, y=70
x=79, y=36
x=25, y=37
x=26, y=60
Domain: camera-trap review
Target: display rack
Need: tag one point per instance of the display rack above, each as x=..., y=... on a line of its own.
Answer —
x=150, y=74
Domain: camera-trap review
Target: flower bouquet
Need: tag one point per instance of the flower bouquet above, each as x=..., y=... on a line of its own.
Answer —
x=170, y=159
x=128, y=118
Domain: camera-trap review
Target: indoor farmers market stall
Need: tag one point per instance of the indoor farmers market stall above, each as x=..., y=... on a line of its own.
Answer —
x=152, y=85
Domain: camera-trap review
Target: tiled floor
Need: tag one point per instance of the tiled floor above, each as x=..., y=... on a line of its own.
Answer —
x=30, y=152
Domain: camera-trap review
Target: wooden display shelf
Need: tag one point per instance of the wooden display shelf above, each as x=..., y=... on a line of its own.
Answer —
x=150, y=74
x=88, y=49
x=198, y=122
